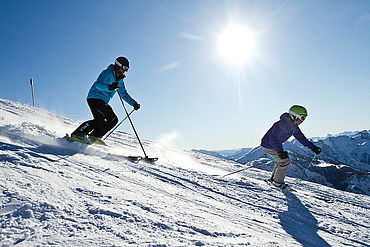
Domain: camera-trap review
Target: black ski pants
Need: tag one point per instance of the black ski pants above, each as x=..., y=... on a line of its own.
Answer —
x=104, y=119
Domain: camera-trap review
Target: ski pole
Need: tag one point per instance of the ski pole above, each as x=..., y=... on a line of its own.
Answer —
x=266, y=162
x=128, y=116
x=304, y=173
x=117, y=126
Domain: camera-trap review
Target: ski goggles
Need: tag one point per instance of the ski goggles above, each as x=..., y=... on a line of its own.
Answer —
x=125, y=68
x=300, y=117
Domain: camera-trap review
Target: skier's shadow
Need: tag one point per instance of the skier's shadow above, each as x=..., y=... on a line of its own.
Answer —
x=300, y=223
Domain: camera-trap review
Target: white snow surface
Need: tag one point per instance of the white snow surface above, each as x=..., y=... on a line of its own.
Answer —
x=56, y=193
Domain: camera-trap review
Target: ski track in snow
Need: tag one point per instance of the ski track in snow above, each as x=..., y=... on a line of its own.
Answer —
x=53, y=192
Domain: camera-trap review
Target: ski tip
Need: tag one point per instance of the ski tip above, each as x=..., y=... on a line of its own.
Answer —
x=150, y=159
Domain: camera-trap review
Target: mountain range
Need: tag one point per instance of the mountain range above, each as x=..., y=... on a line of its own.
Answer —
x=344, y=162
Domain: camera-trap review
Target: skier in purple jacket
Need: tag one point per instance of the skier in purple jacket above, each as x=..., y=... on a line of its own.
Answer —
x=282, y=130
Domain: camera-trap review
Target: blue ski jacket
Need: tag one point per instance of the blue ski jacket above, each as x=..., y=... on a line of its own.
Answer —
x=281, y=131
x=99, y=90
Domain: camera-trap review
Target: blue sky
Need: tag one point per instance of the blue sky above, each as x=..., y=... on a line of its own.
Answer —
x=313, y=53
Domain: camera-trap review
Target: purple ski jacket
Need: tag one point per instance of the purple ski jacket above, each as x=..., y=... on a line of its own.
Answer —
x=281, y=131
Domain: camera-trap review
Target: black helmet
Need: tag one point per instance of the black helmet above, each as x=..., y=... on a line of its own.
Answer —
x=122, y=62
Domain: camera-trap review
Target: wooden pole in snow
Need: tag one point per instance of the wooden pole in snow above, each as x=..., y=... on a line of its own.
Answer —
x=33, y=97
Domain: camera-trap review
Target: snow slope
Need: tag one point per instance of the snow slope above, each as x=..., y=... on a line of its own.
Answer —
x=67, y=194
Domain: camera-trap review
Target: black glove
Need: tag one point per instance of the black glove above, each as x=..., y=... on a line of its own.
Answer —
x=113, y=86
x=283, y=155
x=316, y=150
x=136, y=106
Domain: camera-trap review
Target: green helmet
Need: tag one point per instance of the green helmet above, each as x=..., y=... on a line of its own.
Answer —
x=298, y=112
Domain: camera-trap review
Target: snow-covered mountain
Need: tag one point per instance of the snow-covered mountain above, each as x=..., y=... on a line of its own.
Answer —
x=232, y=154
x=56, y=193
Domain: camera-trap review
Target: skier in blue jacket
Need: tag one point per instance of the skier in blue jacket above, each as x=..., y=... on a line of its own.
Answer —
x=273, y=140
x=98, y=98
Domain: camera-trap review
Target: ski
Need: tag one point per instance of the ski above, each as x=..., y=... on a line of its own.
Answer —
x=292, y=190
x=327, y=200
x=150, y=159
x=86, y=140
x=246, y=168
x=134, y=158
x=131, y=157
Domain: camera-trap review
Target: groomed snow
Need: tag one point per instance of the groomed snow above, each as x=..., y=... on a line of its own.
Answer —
x=56, y=193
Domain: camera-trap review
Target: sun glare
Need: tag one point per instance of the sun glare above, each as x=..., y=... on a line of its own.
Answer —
x=236, y=44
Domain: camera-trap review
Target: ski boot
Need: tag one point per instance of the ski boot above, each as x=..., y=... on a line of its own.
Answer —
x=282, y=186
x=97, y=140
x=77, y=138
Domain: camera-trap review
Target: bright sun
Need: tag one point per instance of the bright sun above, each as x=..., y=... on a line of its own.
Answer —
x=236, y=44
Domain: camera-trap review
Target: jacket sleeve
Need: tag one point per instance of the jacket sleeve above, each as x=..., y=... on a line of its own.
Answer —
x=275, y=138
x=103, y=81
x=302, y=139
x=124, y=94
